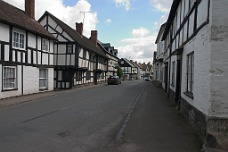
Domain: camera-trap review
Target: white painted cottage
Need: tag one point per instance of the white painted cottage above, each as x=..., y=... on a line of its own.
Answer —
x=196, y=62
x=26, y=52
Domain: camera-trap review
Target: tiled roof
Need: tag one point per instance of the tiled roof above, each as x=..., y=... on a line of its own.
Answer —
x=12, y=15
x=128, y=62
x=80, y=40
x=102, y=45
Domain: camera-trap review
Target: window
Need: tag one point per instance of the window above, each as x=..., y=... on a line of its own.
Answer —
x=45, y=44
x=43, y=79
x=69, y=49
x=190, y=74
x=173, y=73
x=18, y=40
x=9, y=78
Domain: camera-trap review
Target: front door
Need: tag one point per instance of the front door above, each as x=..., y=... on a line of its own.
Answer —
x=178, y=80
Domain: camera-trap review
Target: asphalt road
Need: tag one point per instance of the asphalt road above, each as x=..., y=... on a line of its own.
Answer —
x=81, y=120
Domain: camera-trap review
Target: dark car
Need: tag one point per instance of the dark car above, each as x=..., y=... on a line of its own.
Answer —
x=114, y=80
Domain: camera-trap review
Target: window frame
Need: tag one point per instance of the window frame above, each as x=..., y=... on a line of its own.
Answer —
x=68, y=49
x=4, y=79
x=189, y=75
x=43, y=79
x=18, y=42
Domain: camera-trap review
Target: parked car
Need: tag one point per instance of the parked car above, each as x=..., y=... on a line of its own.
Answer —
x=147, y=79
x=114, y=80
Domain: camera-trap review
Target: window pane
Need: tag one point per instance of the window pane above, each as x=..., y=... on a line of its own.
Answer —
x=43, y=74
x=9, y=77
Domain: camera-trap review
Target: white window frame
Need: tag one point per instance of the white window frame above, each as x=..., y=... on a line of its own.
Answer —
x=9, y=79
x=18, y=39
x=43, y=79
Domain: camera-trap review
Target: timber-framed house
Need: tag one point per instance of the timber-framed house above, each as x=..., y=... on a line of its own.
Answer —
x=26, y=52
x=78, y=60
x=129, y=69
x=113, y=60
x=196, y=58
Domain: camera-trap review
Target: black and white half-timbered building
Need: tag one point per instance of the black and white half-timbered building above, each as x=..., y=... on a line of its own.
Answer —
x=129, y=69
x=78, y=60
x=195, y=66
x=26, y=52
x=113, y=60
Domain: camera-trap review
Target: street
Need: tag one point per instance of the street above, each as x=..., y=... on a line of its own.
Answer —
x=131, y=117
x=80, y=120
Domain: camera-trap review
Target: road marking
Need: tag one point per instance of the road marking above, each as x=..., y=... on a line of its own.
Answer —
x=121, y=131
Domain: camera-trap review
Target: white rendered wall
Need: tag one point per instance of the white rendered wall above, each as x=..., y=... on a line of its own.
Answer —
x=200, y=44
x=30, y=80
x=219, y=59
x=4, y=30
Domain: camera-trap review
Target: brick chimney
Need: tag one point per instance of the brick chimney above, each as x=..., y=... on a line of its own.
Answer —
x=30, y=8
x=79, y=28
x=94, y=36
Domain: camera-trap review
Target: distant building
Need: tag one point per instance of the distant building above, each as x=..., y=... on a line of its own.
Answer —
x=113, y=60
x=129, y=69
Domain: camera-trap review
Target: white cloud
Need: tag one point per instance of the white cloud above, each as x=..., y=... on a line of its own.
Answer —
x=139, y=48
x=108, y=21
x=123, y=3
x=67, y=14
x=162, y=5
x=141, y=32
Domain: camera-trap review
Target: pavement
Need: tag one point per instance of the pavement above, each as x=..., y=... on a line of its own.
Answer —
x=152, y=125
x=155, y=125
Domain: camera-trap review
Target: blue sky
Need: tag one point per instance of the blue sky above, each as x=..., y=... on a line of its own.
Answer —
x=131, y=26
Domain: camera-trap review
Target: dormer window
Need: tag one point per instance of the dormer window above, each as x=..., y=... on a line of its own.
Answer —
x=18, y=40
x=44, y=44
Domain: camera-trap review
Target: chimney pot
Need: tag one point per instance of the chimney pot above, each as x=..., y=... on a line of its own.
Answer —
x=30, y=8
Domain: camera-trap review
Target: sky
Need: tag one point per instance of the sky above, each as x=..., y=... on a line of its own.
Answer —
x=131, y=26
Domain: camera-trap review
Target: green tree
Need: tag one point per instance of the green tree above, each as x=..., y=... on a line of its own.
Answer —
x=119, y=71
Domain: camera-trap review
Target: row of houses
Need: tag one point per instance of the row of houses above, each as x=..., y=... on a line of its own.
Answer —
x=47, y=54
x=135, y=71
x=191, y=64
